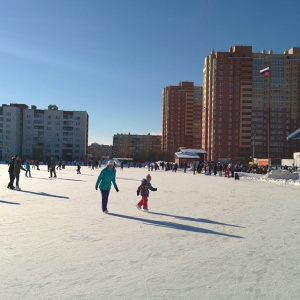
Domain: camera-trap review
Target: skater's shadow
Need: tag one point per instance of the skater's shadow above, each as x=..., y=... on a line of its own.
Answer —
x=87, y=174
x=195, y=220
x=55, y=178
x=132, y=179
x=67, y=179
x=173, y=225
x=8, y=202
x=44, y=194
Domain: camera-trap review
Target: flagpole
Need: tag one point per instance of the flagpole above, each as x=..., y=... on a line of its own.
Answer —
x=266, y=72
x=269, y=113
x=253, y=147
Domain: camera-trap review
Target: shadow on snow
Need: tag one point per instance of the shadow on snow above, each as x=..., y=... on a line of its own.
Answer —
x=131, y=179
x=175, y=226
x=7, y=202
x=195, y=220
x=44, y=194
x=58, y=178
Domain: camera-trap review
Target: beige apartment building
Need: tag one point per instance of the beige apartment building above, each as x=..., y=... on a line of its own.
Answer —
x=40, y=134
x=137, y=146
x=99, y=152
x=181, y=117
x=246, y=115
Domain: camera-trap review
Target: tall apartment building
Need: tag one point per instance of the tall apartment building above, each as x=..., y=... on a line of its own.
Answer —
x=181, y=116
x=244, y=114
x=39, y=134
x=136, y=146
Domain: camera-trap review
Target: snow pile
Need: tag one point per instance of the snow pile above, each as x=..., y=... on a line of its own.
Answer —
x=280, y=177
x=283, y=174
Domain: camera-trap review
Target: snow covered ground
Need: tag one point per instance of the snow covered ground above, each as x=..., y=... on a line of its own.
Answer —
x=205, y=237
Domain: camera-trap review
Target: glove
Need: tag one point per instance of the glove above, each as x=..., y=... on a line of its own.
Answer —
x=117, y=190
x=96, y=188
x=137, y=193
x=155, y=189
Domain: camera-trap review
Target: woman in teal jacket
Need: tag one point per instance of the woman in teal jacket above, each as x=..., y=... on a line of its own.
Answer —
x=106, y=177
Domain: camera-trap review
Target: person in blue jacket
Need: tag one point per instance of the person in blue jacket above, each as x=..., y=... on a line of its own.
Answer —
x=106, y=177
x=27, y=165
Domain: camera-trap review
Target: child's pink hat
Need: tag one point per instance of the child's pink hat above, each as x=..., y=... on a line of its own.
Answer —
x=148, y=177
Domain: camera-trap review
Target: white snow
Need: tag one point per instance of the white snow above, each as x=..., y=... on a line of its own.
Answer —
x=205, y=237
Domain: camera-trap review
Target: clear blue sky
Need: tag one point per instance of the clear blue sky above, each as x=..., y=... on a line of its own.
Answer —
x=112, y=58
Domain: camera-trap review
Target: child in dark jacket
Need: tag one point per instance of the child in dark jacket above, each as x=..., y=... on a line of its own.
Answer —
x=143, y=189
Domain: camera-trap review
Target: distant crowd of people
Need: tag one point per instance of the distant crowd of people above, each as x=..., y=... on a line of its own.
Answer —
x=207, y=168
x=17, y=164
x=107, y=176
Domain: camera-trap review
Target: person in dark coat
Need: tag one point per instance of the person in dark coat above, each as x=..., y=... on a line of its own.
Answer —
x=11, y=173
x=49, y=164
x=17, y=169
x=78, y=168
x=37, y=164
x=215, y=169
x=52, y=167
x=185, y=167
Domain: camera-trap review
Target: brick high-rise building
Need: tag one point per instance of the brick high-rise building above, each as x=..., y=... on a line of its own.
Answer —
x=181, y=116
x=245, y=114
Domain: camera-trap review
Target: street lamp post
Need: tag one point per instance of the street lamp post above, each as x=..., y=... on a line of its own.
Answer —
x=253, y=148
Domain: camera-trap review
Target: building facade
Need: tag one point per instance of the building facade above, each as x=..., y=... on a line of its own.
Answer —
x=136, y=146
x=181, y=116
x=100, y=152
x=246, y=115
x=39, y=134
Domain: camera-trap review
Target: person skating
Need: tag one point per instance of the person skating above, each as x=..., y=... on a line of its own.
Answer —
x=37, y=164
x=11, y=169
x=27, y=165
x=143, y=189
x=106, y=177
x=185, y=167
x=49, y=164
x=58, y=167
x=78, y=168
x=52, y=167
x=227, y=170
x=17, y=170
